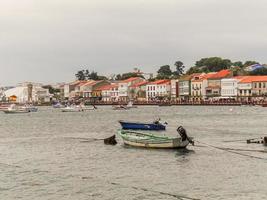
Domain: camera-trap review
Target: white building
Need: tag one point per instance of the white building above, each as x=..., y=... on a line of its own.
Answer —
x=229, y=87
x=159, y=88
x=124, y=87
x=23, y=94
x=109, y=92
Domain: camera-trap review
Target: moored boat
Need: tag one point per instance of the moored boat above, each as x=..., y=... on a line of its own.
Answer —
x=72, y=109
x=14, y=109
x=131, y=105
x=120, y=107
x=156, y=125
x=147, y=140
x=58, y=105
x=30, y=108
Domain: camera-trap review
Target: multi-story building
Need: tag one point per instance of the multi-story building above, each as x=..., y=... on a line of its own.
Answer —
x=139, y=91
x=214, y=83
x=174, y=89
x=27, y=93
x=197, y=89
x=185, y=86
x=125, y=93
x=259, y=86
x=244, y=89
x=69, y=89
x=109, y=93
x=158, y=89
x=90, y=88
x=229, y=86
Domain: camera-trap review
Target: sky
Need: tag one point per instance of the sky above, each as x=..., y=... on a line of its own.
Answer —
x=48, y=41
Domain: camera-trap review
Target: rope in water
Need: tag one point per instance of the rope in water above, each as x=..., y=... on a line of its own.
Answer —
x=234, y=151
x=180, y=197
x=239, y=140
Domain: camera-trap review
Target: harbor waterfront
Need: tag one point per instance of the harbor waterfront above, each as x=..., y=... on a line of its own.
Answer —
x=53, y=155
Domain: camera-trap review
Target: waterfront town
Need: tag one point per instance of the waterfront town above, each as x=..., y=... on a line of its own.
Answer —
x=196, y=88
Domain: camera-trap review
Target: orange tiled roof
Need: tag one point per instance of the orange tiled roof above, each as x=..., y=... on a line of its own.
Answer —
x=160, y=82
x=107, y=87
x=139, y=84
x=130, y=79
x=221, y=74
x=250, y=79
x=90, y=82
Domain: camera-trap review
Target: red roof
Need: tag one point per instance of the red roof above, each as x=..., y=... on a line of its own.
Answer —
x=107, y=87
x=139, y=84
x=221, y=74
x=90, y=82
x=250, y=79
x=160, y=82
x=130, y=79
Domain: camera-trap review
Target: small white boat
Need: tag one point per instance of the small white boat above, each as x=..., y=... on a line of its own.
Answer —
x=147, y=140
x=89, y=107
x=120, y=107
x=14, y=109
x=72, y=109
x=30, y=108
x=130, y=105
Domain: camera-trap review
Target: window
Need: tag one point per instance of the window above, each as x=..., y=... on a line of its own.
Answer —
x=263, y=85
x=259, y=85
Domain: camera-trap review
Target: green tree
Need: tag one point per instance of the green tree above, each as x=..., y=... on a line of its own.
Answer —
x=164, y=72
x=179, y=68
x=238, y=64
x=127, y=75
x=193, y=70
x=51, y=89
x=93, y=76
x=249, y=62
x=80, y=75
x=118, y=77
x=260, y=71
x=213, y=64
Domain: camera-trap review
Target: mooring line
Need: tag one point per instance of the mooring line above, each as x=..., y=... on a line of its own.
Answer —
x=180, y=197
x=159, y=192
x=4, y=164
x=231, y=151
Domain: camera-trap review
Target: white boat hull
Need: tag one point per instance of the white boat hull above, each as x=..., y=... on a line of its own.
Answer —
x=147, y=140
x=167, y=145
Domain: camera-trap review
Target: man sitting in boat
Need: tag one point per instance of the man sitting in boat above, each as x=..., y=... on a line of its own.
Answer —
x=157, y=121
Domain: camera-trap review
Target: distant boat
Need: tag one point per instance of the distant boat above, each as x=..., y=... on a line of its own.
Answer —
x=120, y=107
x=72, y=109
x=30, y=108
x=142, y=126
x=130, y=105
x=140, y=139
x=58, y=105
x=78, y=108
x=14, y=109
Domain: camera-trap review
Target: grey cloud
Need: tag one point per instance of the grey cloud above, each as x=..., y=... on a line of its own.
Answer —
x=48, y=41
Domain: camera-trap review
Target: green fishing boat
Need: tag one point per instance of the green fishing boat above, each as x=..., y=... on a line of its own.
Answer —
x=148, y=140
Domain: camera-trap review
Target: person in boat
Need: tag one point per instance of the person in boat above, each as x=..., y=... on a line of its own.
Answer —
x=157, y=121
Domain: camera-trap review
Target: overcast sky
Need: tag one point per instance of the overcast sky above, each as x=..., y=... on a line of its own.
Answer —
x=49, y=40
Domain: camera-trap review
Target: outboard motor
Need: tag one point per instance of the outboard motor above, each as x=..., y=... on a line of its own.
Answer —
x=183, y=135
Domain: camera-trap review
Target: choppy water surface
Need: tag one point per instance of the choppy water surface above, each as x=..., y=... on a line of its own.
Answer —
x=43, y=156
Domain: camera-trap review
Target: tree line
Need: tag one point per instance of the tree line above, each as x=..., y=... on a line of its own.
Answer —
x=206, y=65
